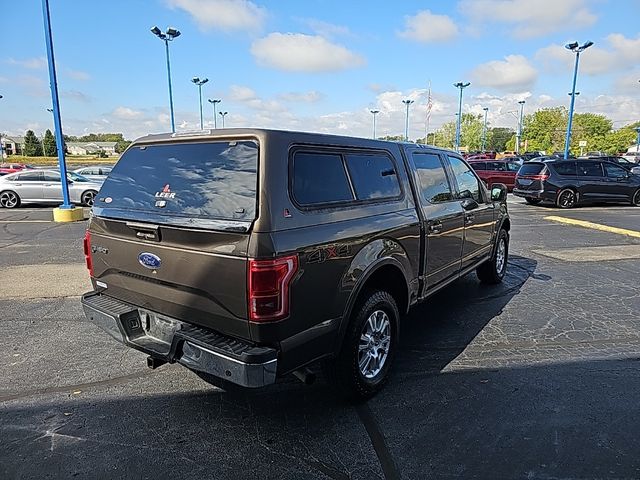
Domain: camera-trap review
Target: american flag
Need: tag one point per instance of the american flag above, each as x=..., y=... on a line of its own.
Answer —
x=429, y=106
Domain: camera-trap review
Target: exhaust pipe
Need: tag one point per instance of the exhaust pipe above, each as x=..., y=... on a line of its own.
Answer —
x=305, y=375
x=154, y=363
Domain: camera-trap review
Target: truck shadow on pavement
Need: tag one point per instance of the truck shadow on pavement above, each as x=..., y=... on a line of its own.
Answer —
x=473, y=421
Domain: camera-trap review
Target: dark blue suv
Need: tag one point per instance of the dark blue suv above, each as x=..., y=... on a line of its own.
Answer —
x=568, y=183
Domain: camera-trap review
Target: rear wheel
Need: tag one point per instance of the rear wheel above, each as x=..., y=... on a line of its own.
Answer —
x=88, y=198
x=493, y=270
x=567, y=198
x=636, y=198
x=9, y=199
x=364, y=362
x=532, y=201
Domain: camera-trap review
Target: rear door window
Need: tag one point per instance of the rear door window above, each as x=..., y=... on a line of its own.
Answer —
x=209, y=180
x=496, y=166
x=589, y=169
x=432, y=177
x=478, y=165
x=320, y=178
x=566, y=169
x=373, y=176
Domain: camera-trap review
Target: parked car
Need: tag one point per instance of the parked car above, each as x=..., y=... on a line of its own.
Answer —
x=568, y=183
x=6, y=168
x=247, y=254
x=623, y=162
x=482, y=156
x=497, y=171
x=43, y=186
x=97, y=172
x=632, y=156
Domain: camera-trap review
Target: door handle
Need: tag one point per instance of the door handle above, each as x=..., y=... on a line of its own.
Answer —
x=435, y=227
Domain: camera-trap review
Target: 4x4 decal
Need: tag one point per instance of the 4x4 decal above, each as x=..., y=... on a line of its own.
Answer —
x=323, y=254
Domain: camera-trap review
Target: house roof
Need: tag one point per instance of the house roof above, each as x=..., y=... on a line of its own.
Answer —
x=92, y=145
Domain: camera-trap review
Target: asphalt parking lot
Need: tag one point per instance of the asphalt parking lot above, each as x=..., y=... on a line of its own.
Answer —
x=538, y=378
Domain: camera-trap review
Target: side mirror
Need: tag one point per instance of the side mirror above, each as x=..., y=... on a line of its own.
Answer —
x=499, y=192
x=635, y=170
x=469, y=204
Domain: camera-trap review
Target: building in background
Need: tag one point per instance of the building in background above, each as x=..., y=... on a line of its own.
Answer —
x=91, y=148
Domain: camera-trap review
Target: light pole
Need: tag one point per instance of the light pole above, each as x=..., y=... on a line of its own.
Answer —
x=406, y=120
x=374, y=113
x=223, y=114
x=199, y=82
x=519, y=133
x=53, y=83
x=214, y=102
x=1, y=146
x=461, y=86
x=168, y=36
x=577, y=50
x=484, y=129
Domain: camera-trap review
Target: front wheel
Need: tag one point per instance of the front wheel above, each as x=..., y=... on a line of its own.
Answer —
x=493, y=270
x=532, y=201
x=9, y=199
x=88, y=197
x=364, y=362
x=636, y=199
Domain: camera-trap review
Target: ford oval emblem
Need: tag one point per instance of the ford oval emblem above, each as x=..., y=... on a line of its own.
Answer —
x=149, y=260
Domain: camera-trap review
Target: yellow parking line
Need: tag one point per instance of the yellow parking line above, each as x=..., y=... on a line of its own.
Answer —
x=594, y=226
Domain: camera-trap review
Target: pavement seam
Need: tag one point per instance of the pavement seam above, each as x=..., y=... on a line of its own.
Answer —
x=388, y=464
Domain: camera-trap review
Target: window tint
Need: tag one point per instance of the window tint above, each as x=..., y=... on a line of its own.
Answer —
x=29, y=177
x=319, y=178
x=496, y=166
x=478, y=165
x=565, y=168
x=468, y=185
x=208, y=180
x=589, y=169
x=51, y=176
x=373, y=176
x=614, y=171
x=531, y=169
x=432, y=177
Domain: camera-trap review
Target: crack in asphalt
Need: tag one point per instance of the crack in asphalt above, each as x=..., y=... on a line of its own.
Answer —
x=388, y=464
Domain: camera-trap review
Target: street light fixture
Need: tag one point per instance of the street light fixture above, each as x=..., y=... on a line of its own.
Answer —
x=577, y=50
x=406, y=120
x=214, y=102
x=374, y=112
x=519, y=132
x=461, y=86
x=199, y=82
x=484, y=129
x=223, y=114
x=166, y=37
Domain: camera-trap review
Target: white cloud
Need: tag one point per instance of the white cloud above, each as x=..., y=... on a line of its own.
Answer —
x=78, y=75
x=301, y=97
x=514, y=73
x=240, y=93
x=530, y=18
x=225, y=15
x=126, y=113
x=295, y=52
x=30, y=63
x=75, y=95
x=326, y=29
x=427, y=27
x=619, y=54
x=628, y=82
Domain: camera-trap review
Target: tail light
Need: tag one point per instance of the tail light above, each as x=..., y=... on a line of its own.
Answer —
x=87, y=252
x=268, y=284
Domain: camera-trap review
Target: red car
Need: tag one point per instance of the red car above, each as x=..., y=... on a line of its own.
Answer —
x=6, y=168
x=496, y=171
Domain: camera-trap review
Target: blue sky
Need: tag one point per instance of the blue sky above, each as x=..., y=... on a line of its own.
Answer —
x=317, y=65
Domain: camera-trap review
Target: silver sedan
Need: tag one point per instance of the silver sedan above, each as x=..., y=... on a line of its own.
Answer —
x=43, y=186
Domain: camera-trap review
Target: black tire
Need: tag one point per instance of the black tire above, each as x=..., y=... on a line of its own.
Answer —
x=635, y=200
x=493, y=270
x=567, y=198
x=532, y=201
x=88, y=198
x=345, y=371
x=9, y=199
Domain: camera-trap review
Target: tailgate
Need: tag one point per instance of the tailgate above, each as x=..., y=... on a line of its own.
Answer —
x=194, y=276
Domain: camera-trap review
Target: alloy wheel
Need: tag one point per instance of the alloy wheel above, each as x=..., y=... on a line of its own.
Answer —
x=375, y=342
x=8, y=199
x=567, y=199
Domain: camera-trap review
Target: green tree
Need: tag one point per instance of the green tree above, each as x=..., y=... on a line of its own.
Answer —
x=497, y=138
x=393, y=138
x=32, y=145
x=545, y=129
x=122, y=145
x=49, y=145
x=471, y=131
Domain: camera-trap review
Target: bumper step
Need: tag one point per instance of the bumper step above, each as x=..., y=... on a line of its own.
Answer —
x=172, y=340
